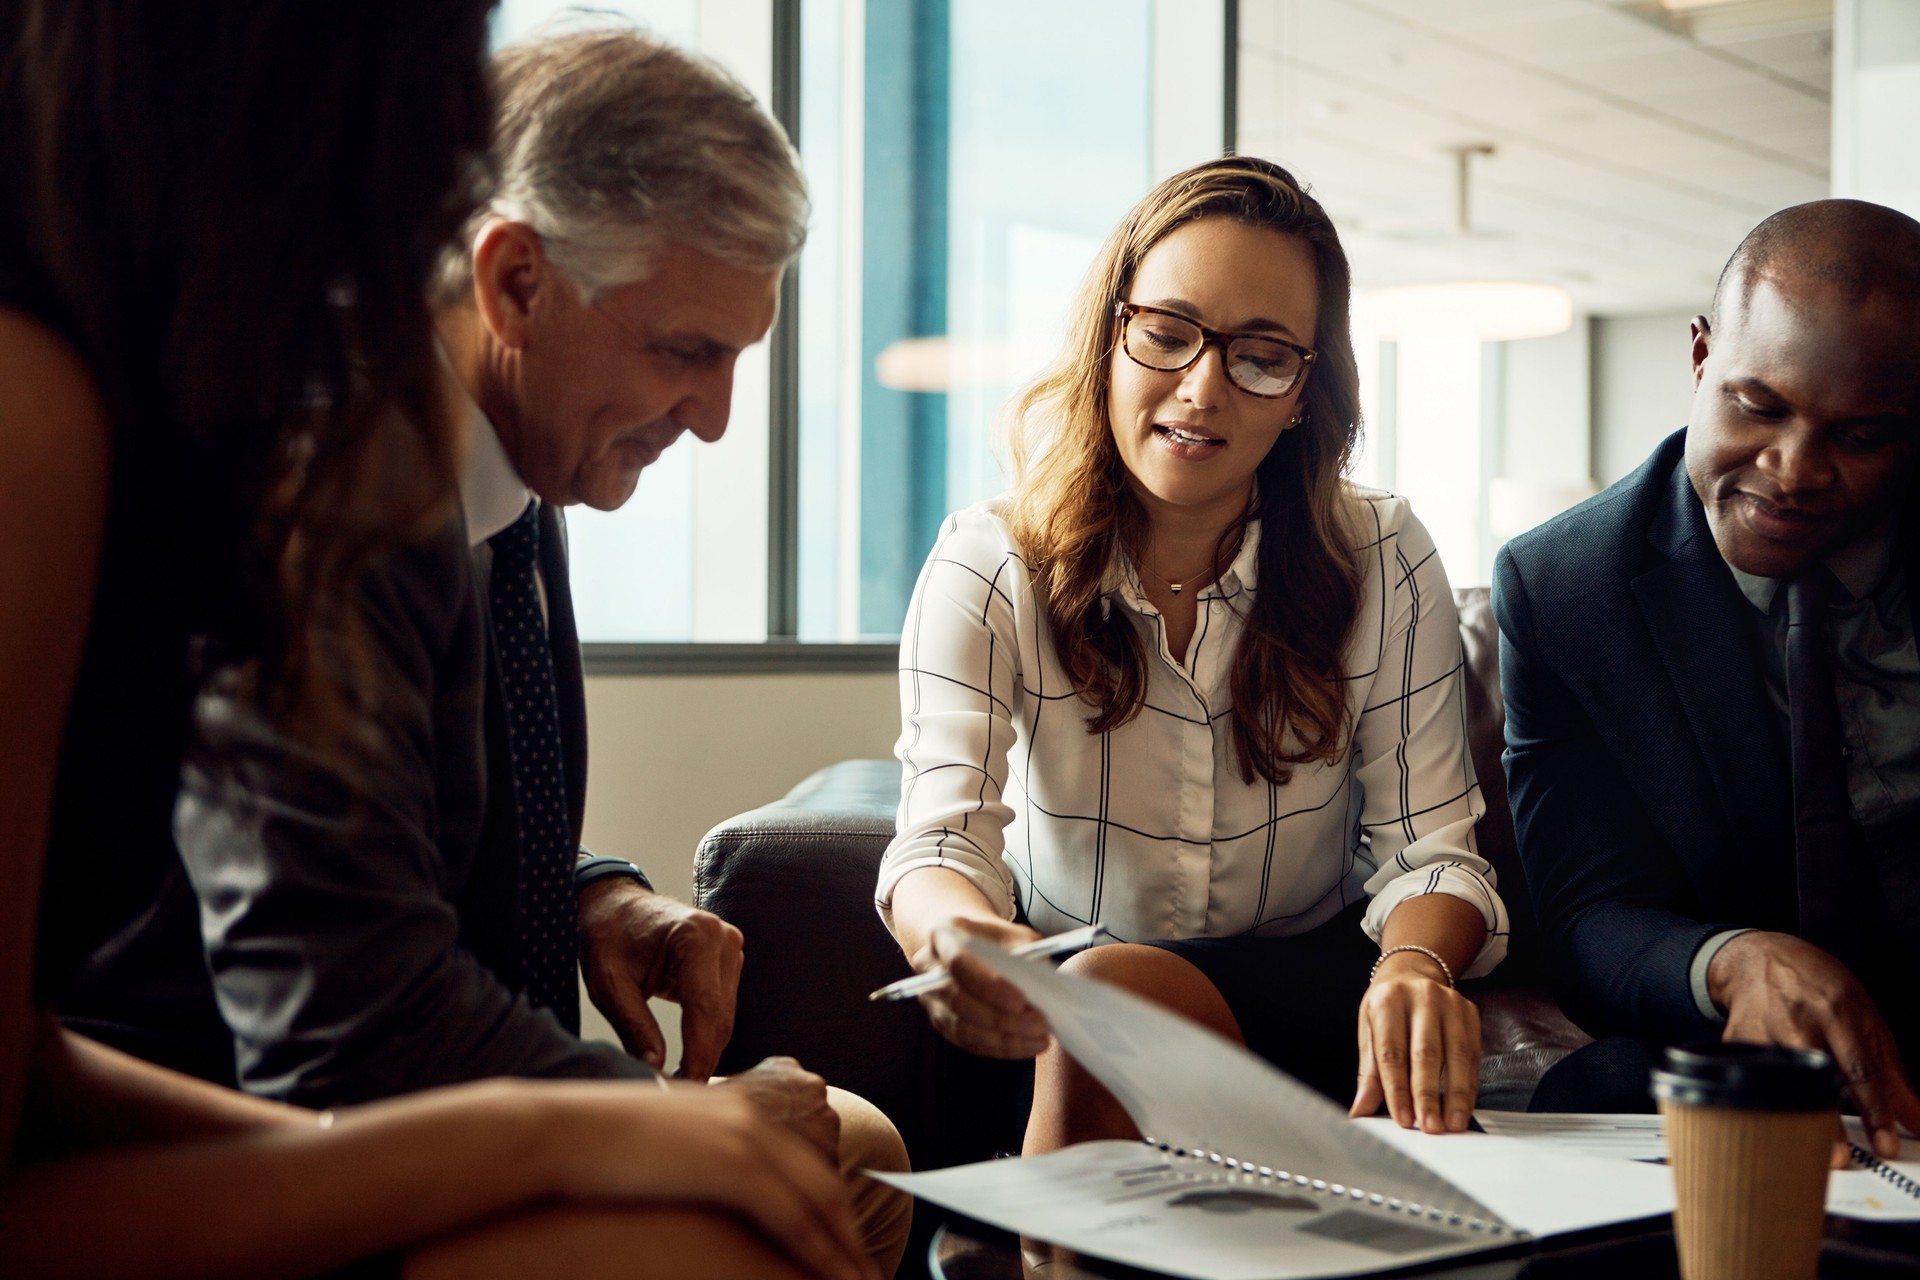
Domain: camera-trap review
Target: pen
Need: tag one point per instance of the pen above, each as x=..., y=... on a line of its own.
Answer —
x=934, y=979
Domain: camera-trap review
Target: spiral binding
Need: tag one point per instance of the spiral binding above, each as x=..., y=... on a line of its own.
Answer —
x=1339, y=1191
x=1879, y=1168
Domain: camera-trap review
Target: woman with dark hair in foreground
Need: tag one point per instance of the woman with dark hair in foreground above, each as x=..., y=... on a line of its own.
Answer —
x=219, y=399
x=1188, y=681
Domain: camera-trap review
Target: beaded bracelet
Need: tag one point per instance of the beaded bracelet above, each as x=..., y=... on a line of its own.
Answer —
x=1408, y=946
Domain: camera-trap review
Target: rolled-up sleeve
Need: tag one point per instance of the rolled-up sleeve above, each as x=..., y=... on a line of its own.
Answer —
x=1421, y=799
x=959, y=675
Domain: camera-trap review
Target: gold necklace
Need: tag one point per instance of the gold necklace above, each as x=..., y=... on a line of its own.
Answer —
x=1176, y=587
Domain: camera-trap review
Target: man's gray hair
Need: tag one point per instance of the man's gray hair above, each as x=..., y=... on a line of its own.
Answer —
x=614, y=145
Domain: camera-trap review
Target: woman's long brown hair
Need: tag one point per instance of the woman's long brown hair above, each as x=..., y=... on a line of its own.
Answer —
x=238, y=206
x=1072, y=509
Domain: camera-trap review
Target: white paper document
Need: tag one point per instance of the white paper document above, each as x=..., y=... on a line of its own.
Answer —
x=1887, y=1192
x=1139, y=1205
x=1249, y=1175
x=1545, y=1190
x=1615, y=1137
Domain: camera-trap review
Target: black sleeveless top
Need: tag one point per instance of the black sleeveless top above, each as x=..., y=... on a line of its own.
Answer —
x=110, y=860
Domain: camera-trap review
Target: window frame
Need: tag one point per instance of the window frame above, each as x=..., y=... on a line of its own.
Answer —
x=783, y=652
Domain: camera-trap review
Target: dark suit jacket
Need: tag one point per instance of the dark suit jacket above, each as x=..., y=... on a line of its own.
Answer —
x=1648, y=771
x=359, y=923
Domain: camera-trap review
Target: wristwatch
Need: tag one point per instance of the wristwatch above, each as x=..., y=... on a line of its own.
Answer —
x=595, y=869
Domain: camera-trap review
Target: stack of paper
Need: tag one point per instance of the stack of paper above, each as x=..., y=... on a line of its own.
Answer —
x=1876, y=1194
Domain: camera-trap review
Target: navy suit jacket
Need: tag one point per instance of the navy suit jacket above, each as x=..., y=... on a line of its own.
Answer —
x=1648, y=771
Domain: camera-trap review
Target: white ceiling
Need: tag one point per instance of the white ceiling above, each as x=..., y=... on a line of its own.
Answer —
x=1632, y=148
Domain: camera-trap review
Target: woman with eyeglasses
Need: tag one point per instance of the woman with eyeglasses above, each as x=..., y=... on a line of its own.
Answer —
x=1188, y=681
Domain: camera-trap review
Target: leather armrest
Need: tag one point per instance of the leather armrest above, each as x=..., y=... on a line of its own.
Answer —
x=797, y=878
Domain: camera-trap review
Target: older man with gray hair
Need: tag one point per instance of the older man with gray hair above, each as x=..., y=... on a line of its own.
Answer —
x=425, y=922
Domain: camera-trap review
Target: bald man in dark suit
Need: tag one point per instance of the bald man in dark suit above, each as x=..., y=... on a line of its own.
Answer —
x=1708, y=860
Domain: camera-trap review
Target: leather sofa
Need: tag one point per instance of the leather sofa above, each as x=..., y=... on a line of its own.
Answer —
x=797, y=877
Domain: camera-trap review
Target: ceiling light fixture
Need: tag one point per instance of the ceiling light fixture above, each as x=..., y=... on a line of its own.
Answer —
x=1490, y=310
x=940, y=364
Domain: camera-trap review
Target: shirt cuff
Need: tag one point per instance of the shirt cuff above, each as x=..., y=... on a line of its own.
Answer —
x=1457, y=881
x=1697, y=975
x=998, y=893
x=593, y=870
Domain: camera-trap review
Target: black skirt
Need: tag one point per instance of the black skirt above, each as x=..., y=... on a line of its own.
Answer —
x=1296, y=999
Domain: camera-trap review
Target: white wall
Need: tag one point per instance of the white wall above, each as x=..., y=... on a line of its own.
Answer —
x=1545, y=414
x=1642, y=388
x=1487, y=439
x=673, y=756
x=1543, y=428
x=1876, y=101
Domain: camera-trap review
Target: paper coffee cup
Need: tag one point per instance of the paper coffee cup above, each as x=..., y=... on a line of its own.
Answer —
x=1750, y=1129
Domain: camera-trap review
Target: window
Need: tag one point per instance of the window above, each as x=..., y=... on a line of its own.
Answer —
x=966, y=156
x=685, y=559
x=965, y=159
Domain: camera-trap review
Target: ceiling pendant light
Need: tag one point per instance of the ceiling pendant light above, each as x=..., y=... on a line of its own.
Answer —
x=1490, y=310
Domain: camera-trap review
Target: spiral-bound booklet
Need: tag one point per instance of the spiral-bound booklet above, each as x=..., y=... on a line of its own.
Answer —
x=1246, y=1174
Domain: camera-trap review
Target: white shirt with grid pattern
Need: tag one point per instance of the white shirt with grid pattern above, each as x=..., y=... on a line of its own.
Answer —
x=1150, y=828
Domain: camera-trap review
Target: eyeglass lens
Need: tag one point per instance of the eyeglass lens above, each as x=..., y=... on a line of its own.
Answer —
x=1166, y=342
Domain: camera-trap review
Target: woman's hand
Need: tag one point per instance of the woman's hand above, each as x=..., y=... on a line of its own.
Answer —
x=609, y=1141
x=1415, y=1031
x=980, y=1011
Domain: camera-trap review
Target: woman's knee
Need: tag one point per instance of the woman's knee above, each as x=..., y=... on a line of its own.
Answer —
x=1139, y=968
x=1159, y=975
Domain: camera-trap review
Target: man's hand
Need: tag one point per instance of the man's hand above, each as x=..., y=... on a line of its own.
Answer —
x=636, y=944
x=1779, y=989
x=702, y=1146
x=791, y=1096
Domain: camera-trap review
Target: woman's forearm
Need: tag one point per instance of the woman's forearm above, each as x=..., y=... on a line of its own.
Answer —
x=1451, y=927
x=282, y=1200
x=922, y=899
x=83, y=1095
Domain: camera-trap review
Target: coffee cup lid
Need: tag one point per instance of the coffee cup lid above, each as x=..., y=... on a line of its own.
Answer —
x=1757, y=1077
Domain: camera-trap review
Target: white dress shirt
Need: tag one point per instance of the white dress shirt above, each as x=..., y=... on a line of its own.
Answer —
x=492, y=494
x=1149, y=828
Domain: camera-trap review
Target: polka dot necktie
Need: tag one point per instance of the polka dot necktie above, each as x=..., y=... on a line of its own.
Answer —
x=545, y=913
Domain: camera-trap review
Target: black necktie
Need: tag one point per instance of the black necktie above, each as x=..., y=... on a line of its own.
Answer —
x=1822, y=813
x=545, y=912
